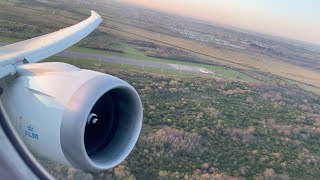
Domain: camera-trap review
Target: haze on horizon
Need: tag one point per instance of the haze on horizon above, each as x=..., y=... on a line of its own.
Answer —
x=294, y=19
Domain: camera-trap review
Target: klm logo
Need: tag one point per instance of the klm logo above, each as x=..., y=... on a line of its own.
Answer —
x=30, y=133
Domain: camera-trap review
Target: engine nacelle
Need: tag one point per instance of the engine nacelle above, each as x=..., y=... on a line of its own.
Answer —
x=77, y=117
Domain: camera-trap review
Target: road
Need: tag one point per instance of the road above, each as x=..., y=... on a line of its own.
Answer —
x=120, y=60
x=136, y=62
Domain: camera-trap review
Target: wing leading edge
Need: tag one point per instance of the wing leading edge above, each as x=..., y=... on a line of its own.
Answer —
x=39, y=48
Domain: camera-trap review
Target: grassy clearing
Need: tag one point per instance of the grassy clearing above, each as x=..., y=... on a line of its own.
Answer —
x=105, y=66
x=306, y=87
x=7, y=2
x=8, y=39
x=130, y=52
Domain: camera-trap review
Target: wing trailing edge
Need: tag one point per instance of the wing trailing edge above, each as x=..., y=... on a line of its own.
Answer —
x=39, y=48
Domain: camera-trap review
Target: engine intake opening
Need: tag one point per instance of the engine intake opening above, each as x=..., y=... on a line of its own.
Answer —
x=112, y=137
x=101, y=123
x=105, y=117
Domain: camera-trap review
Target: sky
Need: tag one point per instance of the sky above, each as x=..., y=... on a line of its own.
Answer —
x=297, y=19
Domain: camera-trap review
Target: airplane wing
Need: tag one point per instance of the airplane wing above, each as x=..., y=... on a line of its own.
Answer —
x=39, y=48
x=56, y=113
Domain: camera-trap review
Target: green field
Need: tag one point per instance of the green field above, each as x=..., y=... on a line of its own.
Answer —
x=9, y=39
x=130, y=52
x=7, y=2
x=105, y=66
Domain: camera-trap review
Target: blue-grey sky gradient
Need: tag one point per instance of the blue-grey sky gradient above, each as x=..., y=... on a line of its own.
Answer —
x=297, y=19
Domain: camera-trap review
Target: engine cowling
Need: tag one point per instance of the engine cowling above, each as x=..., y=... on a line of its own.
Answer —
x=77, y=117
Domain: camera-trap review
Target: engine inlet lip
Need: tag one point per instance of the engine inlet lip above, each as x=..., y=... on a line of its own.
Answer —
x=75, y=119
x=134, y=131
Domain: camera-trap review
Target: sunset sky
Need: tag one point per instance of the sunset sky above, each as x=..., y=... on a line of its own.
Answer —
x=298, y=19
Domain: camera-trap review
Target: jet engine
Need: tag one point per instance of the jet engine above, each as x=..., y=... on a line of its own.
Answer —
x=77, y=117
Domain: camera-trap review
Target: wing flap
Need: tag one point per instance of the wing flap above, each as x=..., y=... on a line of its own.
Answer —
x=39, y=48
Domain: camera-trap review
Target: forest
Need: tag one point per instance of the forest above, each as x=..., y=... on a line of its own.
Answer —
x=213, y=128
